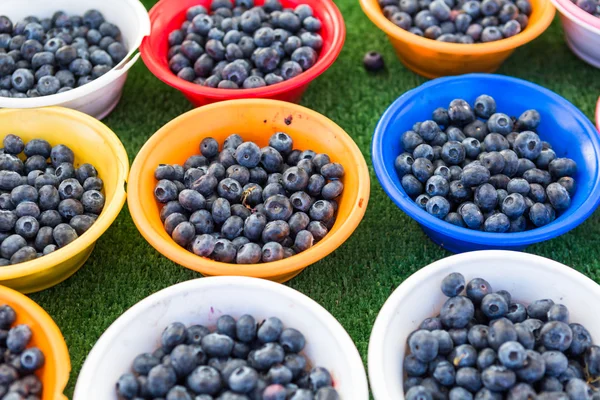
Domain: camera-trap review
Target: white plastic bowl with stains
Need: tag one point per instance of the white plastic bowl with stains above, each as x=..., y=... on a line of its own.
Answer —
x=525, y=276
x=203, y=301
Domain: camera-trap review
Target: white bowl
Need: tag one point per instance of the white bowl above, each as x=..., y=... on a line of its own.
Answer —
x=525, y=276
x=99, y=97
x=582, y=37
x=202, y=301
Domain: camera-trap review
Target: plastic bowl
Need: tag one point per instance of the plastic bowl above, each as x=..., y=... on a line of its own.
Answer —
x=525, y=276
x=47, y=337
x=254, y=120
x=168, y=15
x=582, y=31
x=598, y=114
x=99, y=97
x=92, y=142
x=203, y=301
x=433, y=59
x=569, y=131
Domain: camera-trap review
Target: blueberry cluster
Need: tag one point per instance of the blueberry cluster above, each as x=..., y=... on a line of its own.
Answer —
x=245, y=204
x=589, y=6
x=18, y=363
x=44, y=205
x=460, y=21
x=242, y=360
x=486, y=346
x=486, y=171
x=41, y=57
x=243, y=46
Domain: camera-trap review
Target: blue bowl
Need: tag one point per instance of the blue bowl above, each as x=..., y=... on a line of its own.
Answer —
x=568, y=130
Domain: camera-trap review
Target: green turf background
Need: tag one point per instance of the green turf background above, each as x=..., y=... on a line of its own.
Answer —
x=353, y=282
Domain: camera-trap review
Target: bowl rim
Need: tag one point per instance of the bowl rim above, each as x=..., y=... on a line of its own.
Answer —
x=598, y=114
x=51, y=331
x=372, y=9
x=105, y=219
x=411, y=284
x=181, y=256
x=324, y=61
x=577, y=15
x=77, y=93
x=546, y=232
x=111, y=334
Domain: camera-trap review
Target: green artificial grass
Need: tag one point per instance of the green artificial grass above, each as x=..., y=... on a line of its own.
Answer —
x=354, y=281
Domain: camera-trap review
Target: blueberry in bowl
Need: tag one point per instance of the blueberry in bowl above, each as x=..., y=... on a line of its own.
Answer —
x=76, y=57
x=250, y=187
x=228, y=337
x=477, y=168
x=525, y=334
x=219, y=50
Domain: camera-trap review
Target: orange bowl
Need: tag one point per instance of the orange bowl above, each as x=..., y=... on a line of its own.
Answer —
x=255, y=120
x=47, y=337
x=433, y=59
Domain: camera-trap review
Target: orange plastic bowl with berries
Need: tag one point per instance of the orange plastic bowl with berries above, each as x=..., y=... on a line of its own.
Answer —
x=47, y=337
x=92, y=142
x=254, y=120
x=433, y=59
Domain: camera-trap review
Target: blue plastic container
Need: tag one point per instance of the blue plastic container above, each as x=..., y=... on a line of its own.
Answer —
x=568, y=130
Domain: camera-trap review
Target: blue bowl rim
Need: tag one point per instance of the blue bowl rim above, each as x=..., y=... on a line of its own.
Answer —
x=554, y=229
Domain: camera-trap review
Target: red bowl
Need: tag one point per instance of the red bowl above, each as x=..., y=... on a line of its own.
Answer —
x=168, y=15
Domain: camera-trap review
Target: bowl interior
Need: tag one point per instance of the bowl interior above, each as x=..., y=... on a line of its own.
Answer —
x=168, y=15
x=124, y=14
x=526, y=277
x=569, y=131
x=540, y=18
x=574, y=12
x=92, y=142
x=47, y=337
x=203, y=301
x=254, y=120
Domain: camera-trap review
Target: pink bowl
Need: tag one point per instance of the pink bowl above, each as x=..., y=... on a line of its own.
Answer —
x=578, y=13
x=582, y=31
x=598, y=114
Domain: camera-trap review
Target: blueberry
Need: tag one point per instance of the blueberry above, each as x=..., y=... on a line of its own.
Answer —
x=18, y=338
x=562, y=167
x=411, y=185
x=486, y=197
x=422, y=169
x=275, y=231
x=518, y=185
x=204, y=380
x=475, y=174
x=477, y=289
x=477, y=336
x=463, y=356
x=457, y=312
x=471, y=215
x=539, y=215
x=528, y=145
x=513, y=205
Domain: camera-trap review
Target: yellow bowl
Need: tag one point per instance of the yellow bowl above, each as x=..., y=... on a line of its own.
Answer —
x=255, y=120
x=92, y=142
x=47, y=337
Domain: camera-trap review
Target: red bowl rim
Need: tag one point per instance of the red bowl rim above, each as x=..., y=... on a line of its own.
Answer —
x=189, y=88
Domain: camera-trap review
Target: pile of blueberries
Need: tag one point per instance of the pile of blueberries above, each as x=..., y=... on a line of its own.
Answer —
x=41, y=57
x=460, y=21
x=242, y=360
x=18, y=362
x=486, y=346
x=243, y=46
x=45, y=201
x=245, y=204
x=589, y=6
x=486, y=171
